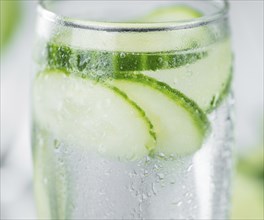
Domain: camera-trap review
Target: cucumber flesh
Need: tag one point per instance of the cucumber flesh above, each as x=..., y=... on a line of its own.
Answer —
x=180, y=125
x=91, y=115
x=8, y=21
x=207, y=81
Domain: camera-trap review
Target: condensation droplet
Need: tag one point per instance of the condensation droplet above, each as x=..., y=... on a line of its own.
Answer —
x=56, y=144
x=189, y=201
x=144, y=196
x=61, y=161
x=154, y=190
x=179, y=203
x=160, y=175
x=190, y=168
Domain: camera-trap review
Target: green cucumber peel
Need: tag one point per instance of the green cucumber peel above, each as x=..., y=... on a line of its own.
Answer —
x=11, y=13
x=140, y=110
x=190, y=106
x=71, y=59
x=217, y=101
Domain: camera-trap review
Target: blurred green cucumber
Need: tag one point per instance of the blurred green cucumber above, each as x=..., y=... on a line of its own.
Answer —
x=248, y=193
x=252, y=164
x=247, y=201
x=10, y=16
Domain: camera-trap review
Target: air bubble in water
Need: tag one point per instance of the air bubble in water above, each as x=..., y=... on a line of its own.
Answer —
x=122, y=55
x=175, y=81
x=189, y=73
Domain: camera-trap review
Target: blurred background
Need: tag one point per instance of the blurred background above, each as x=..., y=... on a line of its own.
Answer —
x=17, y=37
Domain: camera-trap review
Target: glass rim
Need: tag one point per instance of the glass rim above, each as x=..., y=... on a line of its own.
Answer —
x=131, y=26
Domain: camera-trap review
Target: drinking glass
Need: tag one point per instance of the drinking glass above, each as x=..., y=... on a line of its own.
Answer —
x=132, y=110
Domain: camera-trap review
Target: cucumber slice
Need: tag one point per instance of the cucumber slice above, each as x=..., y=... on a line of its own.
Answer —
x=64, y=57
x=170, y=14
x=91, y=115
x=251, y=164
x=207, y=81
x=10, y=12
x=180, y=125
x=203, y=75
x=247, y=189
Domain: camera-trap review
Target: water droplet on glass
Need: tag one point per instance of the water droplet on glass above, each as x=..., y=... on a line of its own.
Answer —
x=101, y=192
x=190, y=168
x=172, y=182
x=149, y=194
x=147, y=159
x=179, y=203
x=66, y=150
x=160, y=175
x=61, y=161
x=56, y=144
x=156, y=167
x=162, y=155
x=154, y=190
x=189, y=201
x=108, y=172
x=144, y=196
